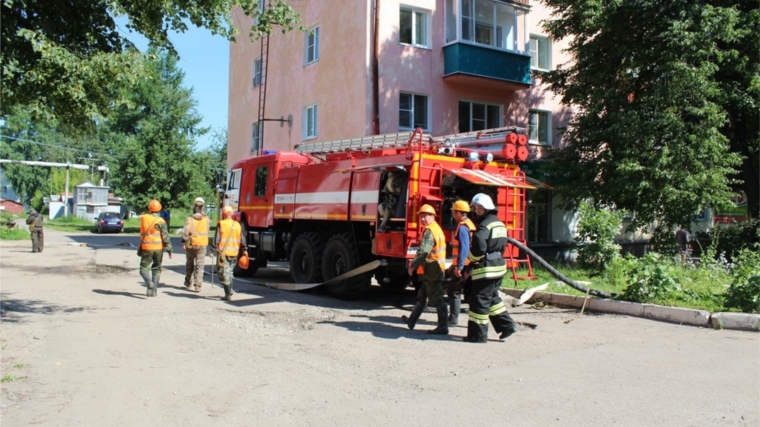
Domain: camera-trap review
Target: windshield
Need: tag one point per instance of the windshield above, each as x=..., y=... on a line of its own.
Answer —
x=110, y=215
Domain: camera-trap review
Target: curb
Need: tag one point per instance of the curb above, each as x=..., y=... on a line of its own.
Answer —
x=681, y=316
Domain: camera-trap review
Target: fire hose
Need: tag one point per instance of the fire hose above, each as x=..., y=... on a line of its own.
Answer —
x=557, y=274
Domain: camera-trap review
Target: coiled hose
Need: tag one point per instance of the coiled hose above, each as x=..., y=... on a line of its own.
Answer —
x=556, y=273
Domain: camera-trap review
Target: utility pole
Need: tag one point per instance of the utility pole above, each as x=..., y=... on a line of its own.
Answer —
x=53, y=165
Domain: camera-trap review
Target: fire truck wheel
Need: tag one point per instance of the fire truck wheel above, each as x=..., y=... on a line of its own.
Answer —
x=341, y=256
x=306, y=258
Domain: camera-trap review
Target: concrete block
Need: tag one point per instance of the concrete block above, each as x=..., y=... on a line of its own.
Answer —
x=682, y=316
x=617, y=307
x=737, y=321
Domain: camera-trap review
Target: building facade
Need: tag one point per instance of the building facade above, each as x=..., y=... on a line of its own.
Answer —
x=369, y=67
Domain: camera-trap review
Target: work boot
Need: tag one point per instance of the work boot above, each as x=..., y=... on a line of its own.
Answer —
x=155, y=284
x=456, y=307
x=227, y=294
x=148, y=283
x=443, y=315
x=416, y=312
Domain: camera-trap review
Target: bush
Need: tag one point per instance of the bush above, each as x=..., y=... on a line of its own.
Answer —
x=652, y=277
x=13, y=234
x=597, y=228
x=730, y=239
x=744, y=292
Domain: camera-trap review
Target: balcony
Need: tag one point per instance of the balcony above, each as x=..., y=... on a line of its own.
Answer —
x=487, y=66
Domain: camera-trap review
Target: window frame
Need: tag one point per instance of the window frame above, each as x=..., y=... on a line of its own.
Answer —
x=315, y=33
x=415, y=11
x=257, y=65
x=533, y=233
x=486, y=105
x=548, y=129
x=260, y=183
x=412, y=111
x=256, y=134
x=548, y=51
x=306, y=114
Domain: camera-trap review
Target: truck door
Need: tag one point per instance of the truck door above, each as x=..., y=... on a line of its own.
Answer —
x=232, y=192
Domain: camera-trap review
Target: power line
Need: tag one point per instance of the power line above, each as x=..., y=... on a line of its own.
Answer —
x=61, y=147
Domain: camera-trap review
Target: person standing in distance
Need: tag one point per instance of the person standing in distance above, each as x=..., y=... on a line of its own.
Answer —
x=460, y=248
x=35, y=228
x=230, y=245
x=488, y=268
x=195, y=243
x=154, y=239
x=430, y=263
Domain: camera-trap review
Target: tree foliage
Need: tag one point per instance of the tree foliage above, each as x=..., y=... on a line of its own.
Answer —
x=652, y=83
x=155, y=137
x=68, y=59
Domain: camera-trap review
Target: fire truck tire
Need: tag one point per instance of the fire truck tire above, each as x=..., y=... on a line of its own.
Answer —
x=306, y=258
x=340, y=256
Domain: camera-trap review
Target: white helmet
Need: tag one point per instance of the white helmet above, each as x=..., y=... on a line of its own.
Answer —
x=199, y=201
x=483, y=200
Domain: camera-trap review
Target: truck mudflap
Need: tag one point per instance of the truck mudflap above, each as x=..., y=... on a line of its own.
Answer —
x=366, y=268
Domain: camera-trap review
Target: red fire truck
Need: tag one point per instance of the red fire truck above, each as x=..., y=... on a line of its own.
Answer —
x=331, y=207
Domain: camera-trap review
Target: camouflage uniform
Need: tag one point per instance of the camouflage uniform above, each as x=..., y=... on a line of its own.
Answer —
x=35, y=228
x=151, y=260
x=431, y=291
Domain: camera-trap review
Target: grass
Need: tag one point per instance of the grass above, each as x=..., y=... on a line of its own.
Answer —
x=19, y=365
x=8, y=379
x=700, y=288
x=131, y=225
x=13, y=234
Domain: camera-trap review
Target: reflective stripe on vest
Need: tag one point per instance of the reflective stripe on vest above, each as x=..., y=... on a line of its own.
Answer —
x=438, y=253
x=198, y=230
x=455, y=240
x=229, y=227
x=497, y=230
x=149, y=234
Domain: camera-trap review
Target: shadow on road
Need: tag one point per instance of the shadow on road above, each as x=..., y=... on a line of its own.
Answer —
x=10, y=309
x=124, y=294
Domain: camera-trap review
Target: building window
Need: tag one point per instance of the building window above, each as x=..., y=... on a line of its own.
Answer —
x=312, y=46
x=539, y=127
x=413, y=111
x=260, y=188
x=257, y=72
x=538, y=216
x=540, y=52
x=257, y=131
x=413, y=27
x=487, y=22
x=474, y=116
x=310, y=118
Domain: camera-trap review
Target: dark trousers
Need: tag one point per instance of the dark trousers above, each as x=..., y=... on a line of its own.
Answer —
x=38, y=240
x=487, y=306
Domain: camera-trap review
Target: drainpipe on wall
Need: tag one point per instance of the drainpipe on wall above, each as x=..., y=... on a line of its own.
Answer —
x=376, y=73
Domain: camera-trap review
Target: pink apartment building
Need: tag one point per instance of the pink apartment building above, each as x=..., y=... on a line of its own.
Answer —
x=382, y=66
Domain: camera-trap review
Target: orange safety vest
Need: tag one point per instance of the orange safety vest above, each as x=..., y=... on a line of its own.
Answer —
x=149, y=234
x=438, y=253
x=198, y=230
x=229, y=228
x=455, y=239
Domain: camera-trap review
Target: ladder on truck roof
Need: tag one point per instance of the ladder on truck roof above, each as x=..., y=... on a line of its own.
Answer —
x=366, y=143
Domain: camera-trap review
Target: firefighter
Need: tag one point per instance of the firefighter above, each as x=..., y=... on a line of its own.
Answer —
x=430, y=265
x=154, y=239
x=195, y=243
x=487, y=269
x=460, y=248
x=35, y=228
x=230, y=245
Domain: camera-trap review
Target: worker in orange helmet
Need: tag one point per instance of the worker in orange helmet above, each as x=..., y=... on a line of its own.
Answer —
x=154, y=239
x=460, y=248
x=430, y=263
x=230, y=244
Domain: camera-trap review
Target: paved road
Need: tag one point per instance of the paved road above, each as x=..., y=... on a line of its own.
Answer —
x=81, y=345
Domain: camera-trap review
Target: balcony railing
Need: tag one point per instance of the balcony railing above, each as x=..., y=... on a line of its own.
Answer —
x=485, y=62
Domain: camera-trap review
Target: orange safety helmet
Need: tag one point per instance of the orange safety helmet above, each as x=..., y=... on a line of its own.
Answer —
x=243, y=262
x=426, y=209
x=461, y=206
x=227, y=210
x=154, y=206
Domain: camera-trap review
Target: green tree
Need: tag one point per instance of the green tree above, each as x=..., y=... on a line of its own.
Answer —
x=649, y=80
x=19, y=132
x=67, y=58
x=213, y=161
x=155, y=139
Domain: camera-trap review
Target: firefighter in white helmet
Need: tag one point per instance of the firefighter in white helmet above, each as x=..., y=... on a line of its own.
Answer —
x=487, y=269
x=430, y=263
x=195, y=243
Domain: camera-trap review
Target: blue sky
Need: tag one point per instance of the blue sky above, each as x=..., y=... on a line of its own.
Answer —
x=205, y=60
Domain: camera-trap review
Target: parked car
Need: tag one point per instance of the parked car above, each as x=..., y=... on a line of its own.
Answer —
x=109, y=221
